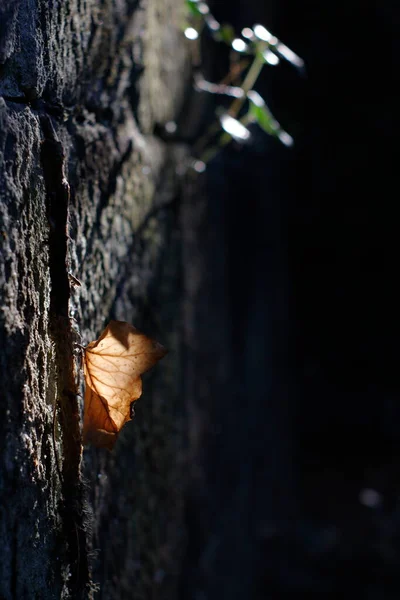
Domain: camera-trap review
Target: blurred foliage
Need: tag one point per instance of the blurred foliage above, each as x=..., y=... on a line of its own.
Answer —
x=251, y=51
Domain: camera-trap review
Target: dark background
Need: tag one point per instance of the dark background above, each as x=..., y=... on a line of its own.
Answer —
x=292, y=367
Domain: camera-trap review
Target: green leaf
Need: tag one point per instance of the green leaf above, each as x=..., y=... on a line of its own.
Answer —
x=193, y=8
x=261, y=114
x=226, y=33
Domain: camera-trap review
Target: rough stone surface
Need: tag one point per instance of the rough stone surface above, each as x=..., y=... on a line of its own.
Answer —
x=87, y=193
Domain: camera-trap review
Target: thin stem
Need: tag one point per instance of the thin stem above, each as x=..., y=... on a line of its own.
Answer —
x=247, y=84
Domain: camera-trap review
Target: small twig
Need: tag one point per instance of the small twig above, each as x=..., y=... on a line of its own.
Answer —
x=217, y=88
x=235, y=71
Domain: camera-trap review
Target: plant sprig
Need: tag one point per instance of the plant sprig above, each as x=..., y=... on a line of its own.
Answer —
x=257, y=48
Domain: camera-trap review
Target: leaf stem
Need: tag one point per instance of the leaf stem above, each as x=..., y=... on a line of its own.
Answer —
x=247, y=85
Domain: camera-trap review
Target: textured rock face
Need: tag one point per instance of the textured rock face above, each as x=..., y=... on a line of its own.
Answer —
x=86, y=194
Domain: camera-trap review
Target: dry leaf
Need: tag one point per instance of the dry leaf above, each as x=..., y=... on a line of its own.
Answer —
x=112, y=366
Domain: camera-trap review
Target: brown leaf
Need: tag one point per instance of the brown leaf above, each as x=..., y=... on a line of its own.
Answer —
x=112, y=366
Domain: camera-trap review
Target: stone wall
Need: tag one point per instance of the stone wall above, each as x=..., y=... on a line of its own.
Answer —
x=88, y=232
